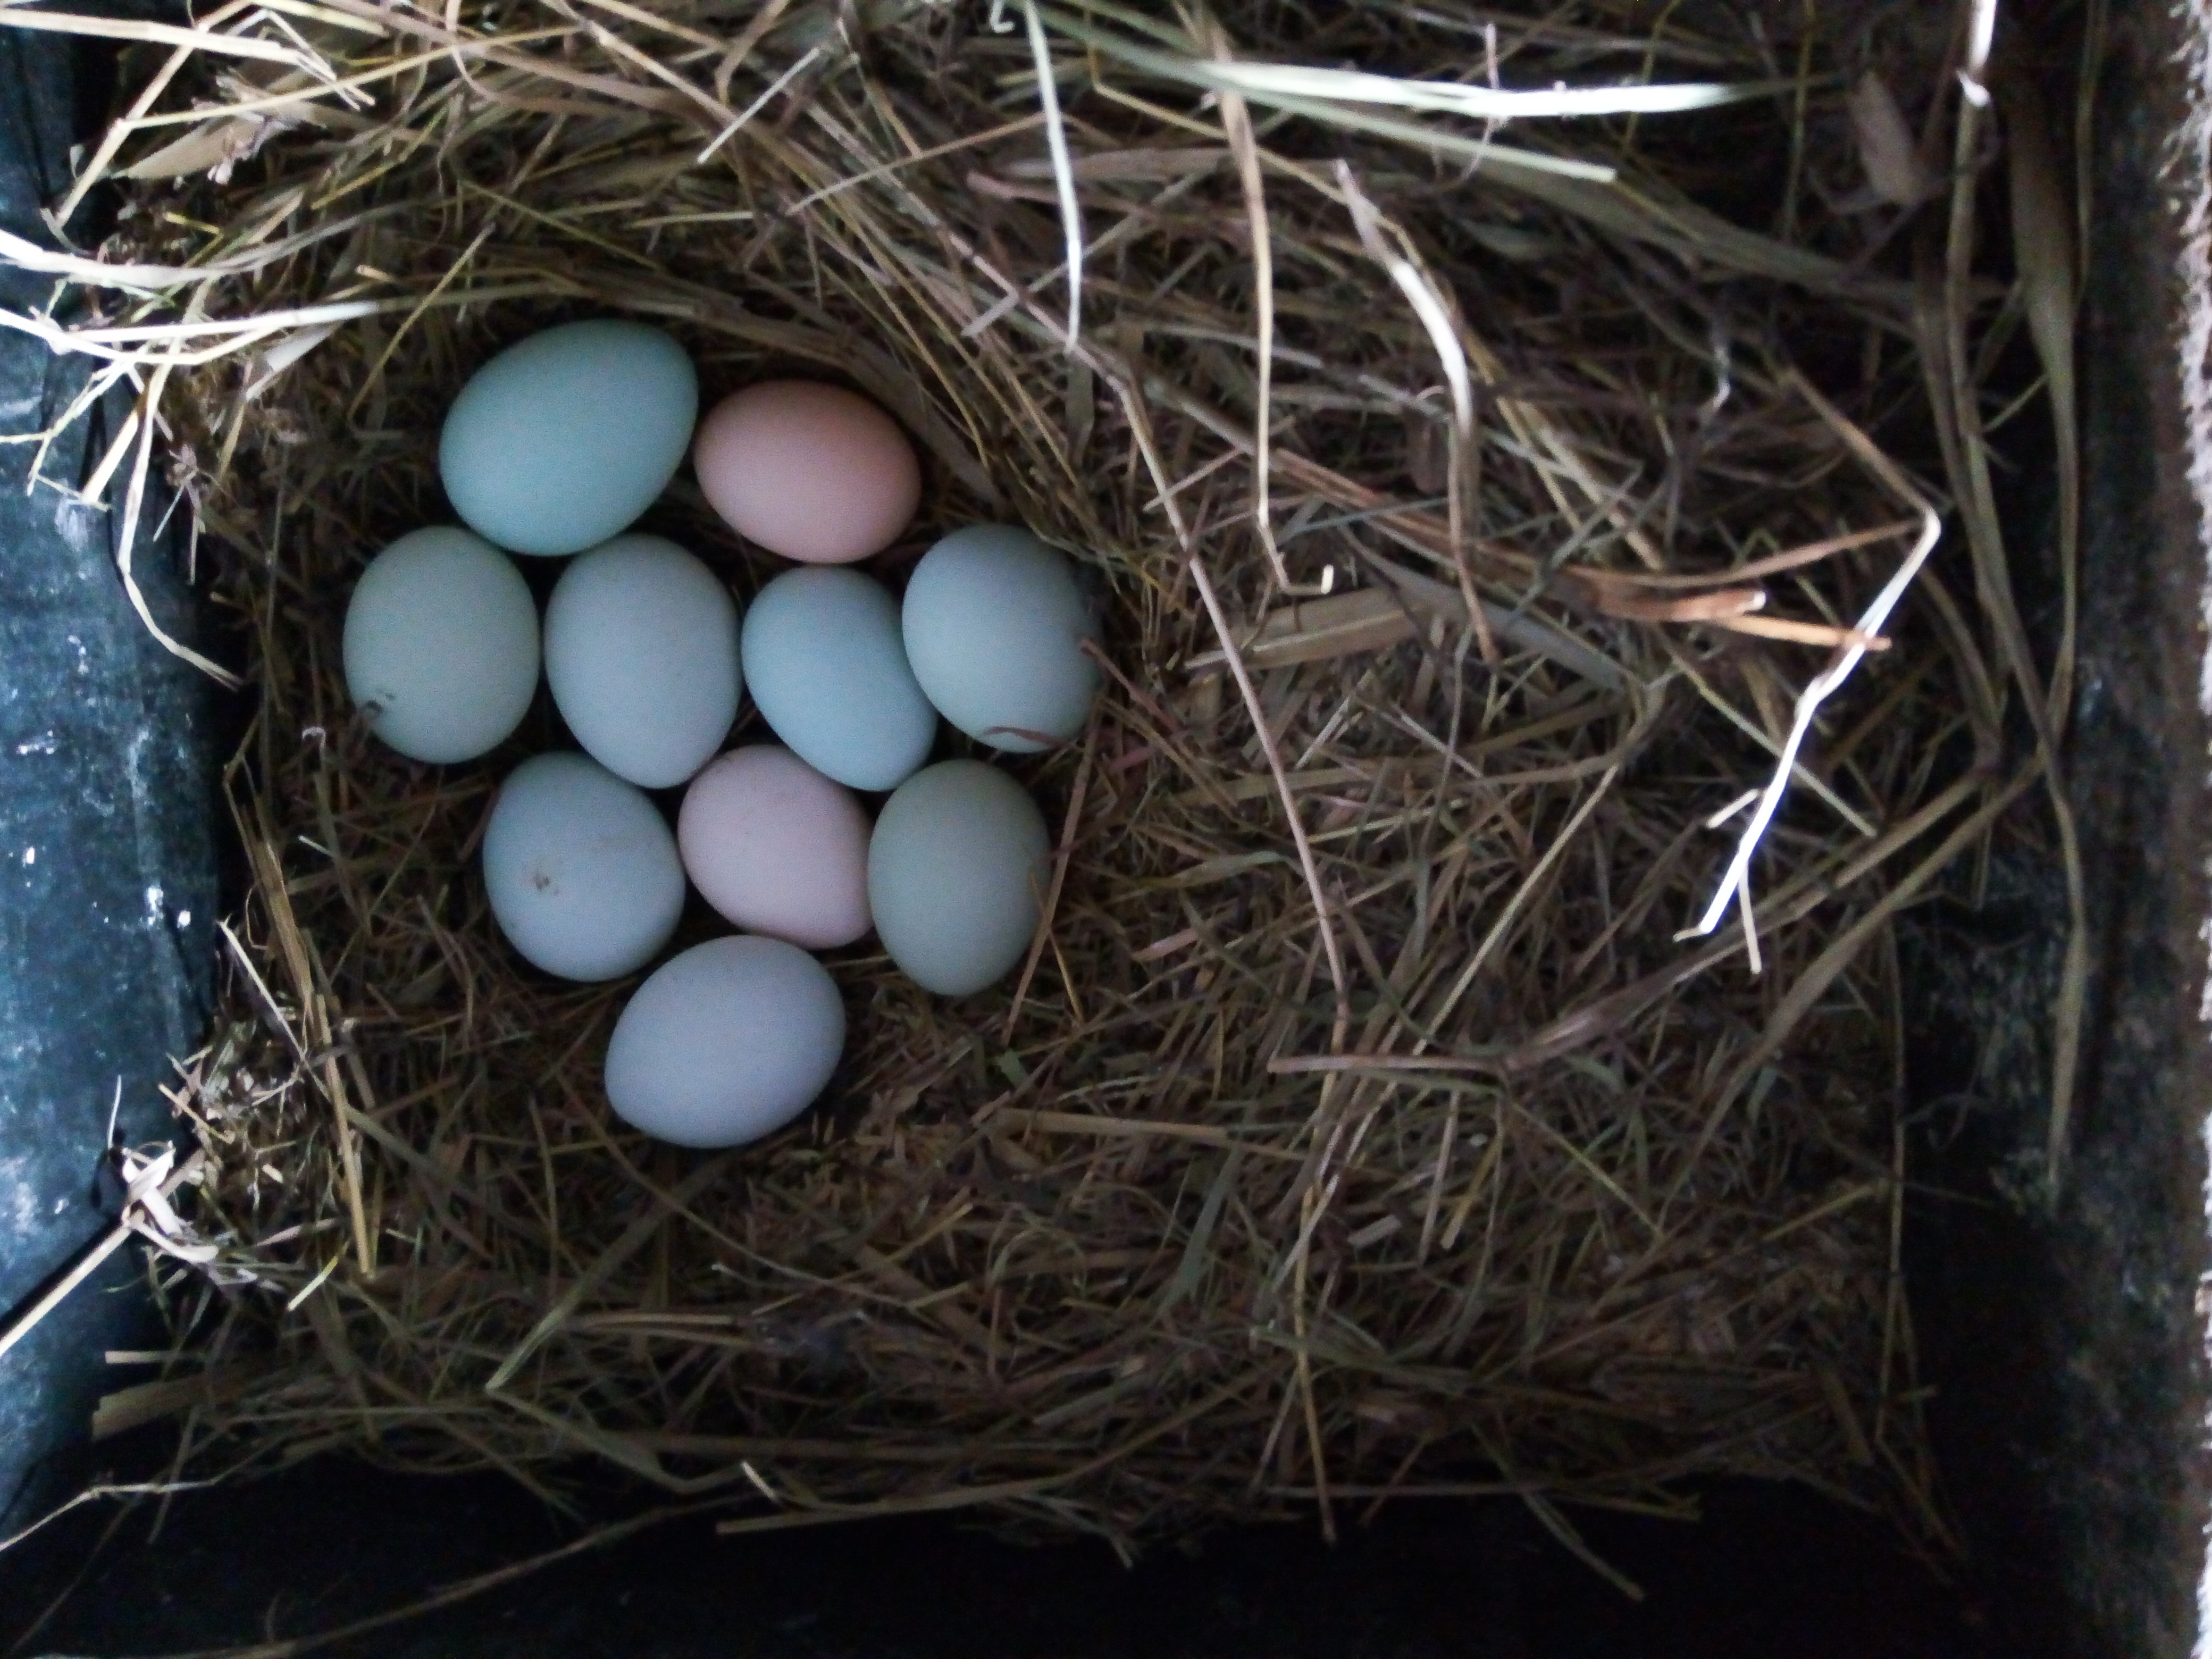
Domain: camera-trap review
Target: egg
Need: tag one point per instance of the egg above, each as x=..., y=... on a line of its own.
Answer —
x=564, y=439
x=828, y=672
x=777, y=848
x=727, y=1041
x=995, y=627
x=641, y=654
x=814, y=472
x=580, y=869
x=440, y=645
x=957, y=873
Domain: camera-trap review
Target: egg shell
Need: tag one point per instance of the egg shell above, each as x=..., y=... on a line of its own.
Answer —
x=580, y=869
x=957, y=869
x=440, y=645
x=727, y=1041
x=995, y=627
x=812, y=472
x=777, y=848
x=828, y=673
x=565, y=438
x=641, y=654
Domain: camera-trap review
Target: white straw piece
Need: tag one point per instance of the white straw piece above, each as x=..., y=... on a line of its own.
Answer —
x=1823, y=686
x=760, y=103
x=1063, y=168
x=118, y=28
x=1421, y=292
x=1479, y=103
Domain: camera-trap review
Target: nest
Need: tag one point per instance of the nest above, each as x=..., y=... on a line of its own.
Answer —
x=1463, y=1054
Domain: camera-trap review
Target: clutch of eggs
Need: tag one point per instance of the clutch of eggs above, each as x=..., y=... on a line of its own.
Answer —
x=555, y=447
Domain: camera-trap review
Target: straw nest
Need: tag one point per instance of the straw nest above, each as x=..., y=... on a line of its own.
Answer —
x=1480, y=518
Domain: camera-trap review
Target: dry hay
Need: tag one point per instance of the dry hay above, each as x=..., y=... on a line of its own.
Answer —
x=1393, y=1143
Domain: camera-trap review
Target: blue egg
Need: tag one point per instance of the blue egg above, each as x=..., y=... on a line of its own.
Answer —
x=827, y=667
x=564, y=439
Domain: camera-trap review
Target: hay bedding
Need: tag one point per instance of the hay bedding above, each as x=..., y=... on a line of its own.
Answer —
x=1390, y=1142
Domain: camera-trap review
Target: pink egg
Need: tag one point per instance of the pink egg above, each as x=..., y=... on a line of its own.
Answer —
x=814, y=472
x=777, y=848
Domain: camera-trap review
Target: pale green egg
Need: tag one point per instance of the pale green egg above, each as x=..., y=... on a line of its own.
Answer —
x=440, y=645
x=995, y=628
x=956, y=873
x=564, y=439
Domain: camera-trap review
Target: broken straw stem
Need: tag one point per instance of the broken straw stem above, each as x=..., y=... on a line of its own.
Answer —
x=89, y=1260
x=1736, y=881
